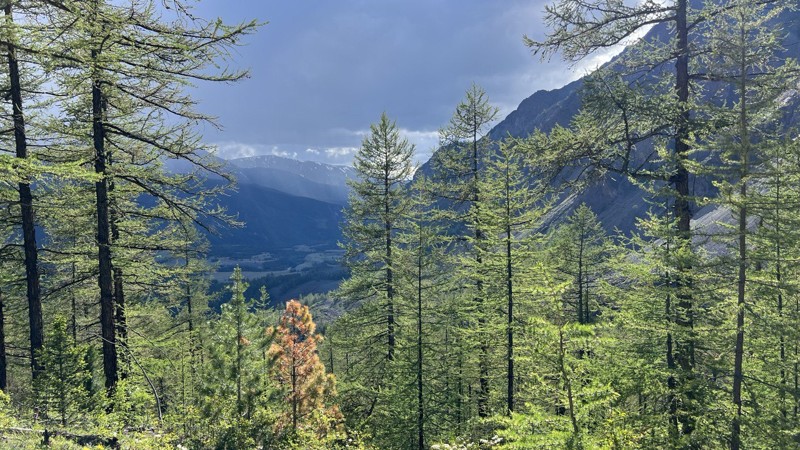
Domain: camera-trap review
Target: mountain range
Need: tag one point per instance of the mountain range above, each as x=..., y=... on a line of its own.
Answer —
x=293, y=209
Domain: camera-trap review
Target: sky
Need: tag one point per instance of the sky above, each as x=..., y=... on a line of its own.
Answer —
x=321, y=71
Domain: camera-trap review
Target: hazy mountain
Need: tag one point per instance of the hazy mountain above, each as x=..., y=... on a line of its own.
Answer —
x=324, y=182
x=275, y=222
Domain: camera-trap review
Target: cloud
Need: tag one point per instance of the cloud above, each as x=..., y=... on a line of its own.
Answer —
x=340, y=152
x=275, y=151
x=425, y=142
x=312, y=151
x=233, y=150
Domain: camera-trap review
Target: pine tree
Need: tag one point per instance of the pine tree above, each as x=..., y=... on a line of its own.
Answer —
x=298, y=369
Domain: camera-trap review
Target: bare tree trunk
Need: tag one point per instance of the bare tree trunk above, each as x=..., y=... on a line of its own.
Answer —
x=105, y=278
x=389, y=273
x=510, y=321
x=742, y=278
x=567, y=382
x=3, y=361
x=35, y=322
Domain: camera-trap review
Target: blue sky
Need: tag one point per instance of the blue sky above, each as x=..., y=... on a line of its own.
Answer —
x=323, y=70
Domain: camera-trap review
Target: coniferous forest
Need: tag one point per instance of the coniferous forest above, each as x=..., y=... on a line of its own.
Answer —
x=483, y=306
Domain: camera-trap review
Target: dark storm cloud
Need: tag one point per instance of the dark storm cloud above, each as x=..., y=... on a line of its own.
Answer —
x=323, y=70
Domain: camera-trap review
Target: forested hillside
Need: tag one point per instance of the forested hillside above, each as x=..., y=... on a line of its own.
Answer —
x=612, y=266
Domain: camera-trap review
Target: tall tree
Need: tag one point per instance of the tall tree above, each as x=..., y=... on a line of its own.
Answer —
x=745, y=60
x=579, y=29
x=35, y=323
x=511, y=208
x=423, y=282
x=379, y=200
x=458, y=168
x=132, y=63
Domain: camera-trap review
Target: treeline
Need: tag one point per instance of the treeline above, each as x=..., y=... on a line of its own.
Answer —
x=480, y=317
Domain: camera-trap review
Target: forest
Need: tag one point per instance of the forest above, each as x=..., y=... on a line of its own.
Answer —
x=482, y=307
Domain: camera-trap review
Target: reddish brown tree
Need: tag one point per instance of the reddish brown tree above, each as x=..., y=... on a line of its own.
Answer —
x=298, y=368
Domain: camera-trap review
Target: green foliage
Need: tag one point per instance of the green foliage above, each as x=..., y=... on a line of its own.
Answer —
x=235, y=392
x=61, y=389
x=475, y=316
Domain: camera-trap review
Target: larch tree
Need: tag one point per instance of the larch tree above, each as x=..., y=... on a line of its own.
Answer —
x=423, y=282
x=61, y=388
x=13, y=37
x=237, y=371
x=580, y=249
x=458, y=168
x=745, y=60
x=378, y=202
x=131, y=64
x=511, y=207
x=648, y=101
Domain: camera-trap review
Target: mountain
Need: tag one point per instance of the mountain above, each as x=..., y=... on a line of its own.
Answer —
x=291, y=213
x=318, y=181
x=283, y=203
x=617, y=202
x=292, y=209
x=275, y=222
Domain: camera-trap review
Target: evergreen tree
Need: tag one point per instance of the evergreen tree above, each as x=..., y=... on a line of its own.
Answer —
x=60, y=389
x=379, y=200
x=31, y=251
x=511, y=207
x=235, y=394
x=580, y=248
x=745, y=49
x=625, y=112
x=301, y=374
x=378, y=203
x=458, y=168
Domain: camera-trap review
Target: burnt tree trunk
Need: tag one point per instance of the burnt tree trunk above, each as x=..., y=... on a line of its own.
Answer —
x=26, y=210
x=105, y=278
x=3, y=361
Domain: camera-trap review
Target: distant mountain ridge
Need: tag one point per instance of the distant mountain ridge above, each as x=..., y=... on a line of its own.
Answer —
x=319, y=181
x=616, y=200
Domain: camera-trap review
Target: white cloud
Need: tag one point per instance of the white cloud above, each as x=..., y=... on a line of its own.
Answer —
x=340, y=152
x=233, y=149
x=312, y=151
x=426, y=142
x=276, y=151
